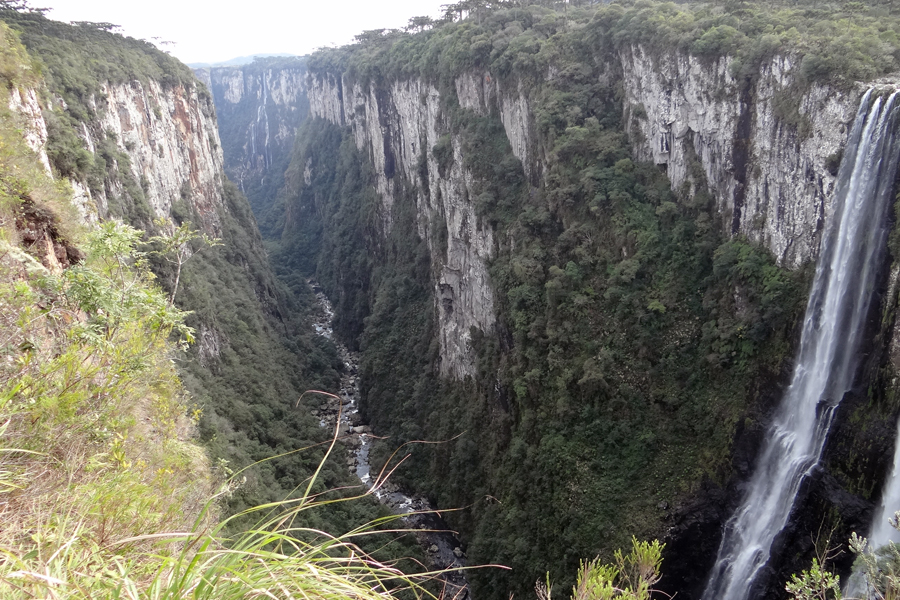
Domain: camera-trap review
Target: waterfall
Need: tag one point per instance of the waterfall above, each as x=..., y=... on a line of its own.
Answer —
x=827, y=360
x=882, y=532
x=262, y=120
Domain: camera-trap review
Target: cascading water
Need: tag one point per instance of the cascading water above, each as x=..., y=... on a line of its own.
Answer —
x=262, y=119
x=261, y=126
x=828, y=358
x=882, y=531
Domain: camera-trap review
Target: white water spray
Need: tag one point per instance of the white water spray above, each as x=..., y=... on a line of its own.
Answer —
x=260, y=127
x=882, y=531
x=829, y=346
x=262, y=119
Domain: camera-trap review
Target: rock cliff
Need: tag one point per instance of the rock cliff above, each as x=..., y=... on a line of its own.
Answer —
x=25, y=102
x=397, y=127
x=260, y=106
x=767, y=151
x=167, y=135
x=170, y=136
x=480, y=92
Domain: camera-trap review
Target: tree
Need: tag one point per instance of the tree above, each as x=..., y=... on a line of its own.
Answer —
x=419, y=24
x=630, y=577
x=881, y=566
x=815, y=584
x=177, y=247
x=852, y=9
x=99, y=26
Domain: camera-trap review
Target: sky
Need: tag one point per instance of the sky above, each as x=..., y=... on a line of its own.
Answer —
x=216, y=31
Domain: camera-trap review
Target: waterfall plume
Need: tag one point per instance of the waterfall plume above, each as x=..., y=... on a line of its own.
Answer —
x=826, y=363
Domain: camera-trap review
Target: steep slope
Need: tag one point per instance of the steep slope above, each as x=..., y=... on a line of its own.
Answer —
x=96, y=443
x=135, y=133
x=562, y=247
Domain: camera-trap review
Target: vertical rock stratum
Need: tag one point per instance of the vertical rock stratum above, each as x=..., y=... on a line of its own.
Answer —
x=260, y=107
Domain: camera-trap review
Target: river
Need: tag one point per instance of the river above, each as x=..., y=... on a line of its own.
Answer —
x=442, y=549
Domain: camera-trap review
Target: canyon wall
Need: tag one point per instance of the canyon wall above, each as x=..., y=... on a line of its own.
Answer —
x=397, y=127
x=260, y=107
x=768, y=149
x=171, y=139
x=764, y=148
x=167, y=134
x=765, y=153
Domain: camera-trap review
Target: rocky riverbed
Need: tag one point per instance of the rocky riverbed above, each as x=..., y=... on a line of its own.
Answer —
x=442, y=549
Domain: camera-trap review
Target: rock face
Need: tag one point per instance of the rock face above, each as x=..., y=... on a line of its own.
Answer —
x=168, y=135
x=25, y=102
x=479, y=91
x=260, y=106
x=171, y=139
x=397, y=127
x=768, y=153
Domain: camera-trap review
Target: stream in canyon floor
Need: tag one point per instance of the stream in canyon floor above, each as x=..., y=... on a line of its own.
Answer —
x=442, y=549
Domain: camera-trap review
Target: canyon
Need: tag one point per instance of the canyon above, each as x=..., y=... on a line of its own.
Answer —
x=765, y=148
x=568, y=272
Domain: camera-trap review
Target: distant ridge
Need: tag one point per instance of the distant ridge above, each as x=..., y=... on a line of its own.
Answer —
x=236, y=62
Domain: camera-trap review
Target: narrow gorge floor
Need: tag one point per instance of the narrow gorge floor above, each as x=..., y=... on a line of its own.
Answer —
x=442, y=549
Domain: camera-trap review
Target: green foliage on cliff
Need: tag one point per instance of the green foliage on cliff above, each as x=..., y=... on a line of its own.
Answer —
x=94, y=424
x=830, y=43
x=77, y=59
x=76, y=62
x=255, y=355
x=630, y=339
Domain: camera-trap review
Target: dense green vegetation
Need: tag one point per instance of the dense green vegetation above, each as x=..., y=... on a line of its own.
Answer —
x=614, y=383
x=631, y=343
x=834, y=42
x=76, y=59
x=634, y=339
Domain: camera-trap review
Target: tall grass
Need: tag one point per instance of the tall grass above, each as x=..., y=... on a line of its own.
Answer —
x=277, y=558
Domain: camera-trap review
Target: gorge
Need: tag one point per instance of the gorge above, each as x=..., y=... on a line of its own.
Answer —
x=571, y=246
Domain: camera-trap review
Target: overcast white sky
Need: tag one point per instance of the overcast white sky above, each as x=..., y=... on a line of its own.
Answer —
x=208, y=31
